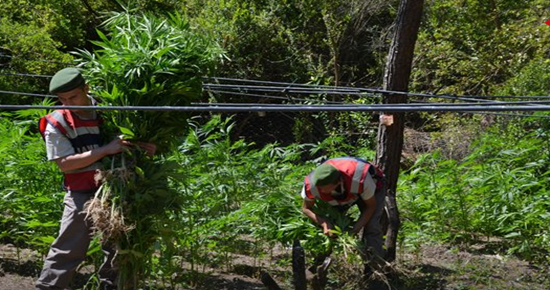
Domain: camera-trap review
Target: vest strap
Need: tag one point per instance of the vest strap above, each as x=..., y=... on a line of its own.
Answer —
x=356, y=180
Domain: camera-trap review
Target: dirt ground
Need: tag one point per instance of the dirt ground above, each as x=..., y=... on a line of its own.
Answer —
x=429, y=267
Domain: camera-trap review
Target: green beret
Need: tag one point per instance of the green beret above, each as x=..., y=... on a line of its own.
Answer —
x=325, y=174
x=65, y=80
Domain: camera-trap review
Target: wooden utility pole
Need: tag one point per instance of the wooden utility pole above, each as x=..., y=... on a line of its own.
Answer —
x=396, y=78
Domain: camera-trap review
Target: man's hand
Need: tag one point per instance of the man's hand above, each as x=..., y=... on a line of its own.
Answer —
x=327, y=229
x=307, y=206
x=117, y=145
x=149, y=148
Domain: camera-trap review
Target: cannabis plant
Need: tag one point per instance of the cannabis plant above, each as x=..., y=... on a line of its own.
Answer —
x=143, y=60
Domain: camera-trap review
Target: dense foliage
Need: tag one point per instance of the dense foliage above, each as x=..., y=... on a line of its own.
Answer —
x=236, y=199
x=474, y=47
x=31, y=194
x=233, y=196
x=497, y=194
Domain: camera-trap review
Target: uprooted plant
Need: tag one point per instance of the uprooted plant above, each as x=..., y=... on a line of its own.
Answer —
x=143, y=61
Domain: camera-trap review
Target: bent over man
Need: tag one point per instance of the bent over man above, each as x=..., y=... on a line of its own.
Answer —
x=342, y=183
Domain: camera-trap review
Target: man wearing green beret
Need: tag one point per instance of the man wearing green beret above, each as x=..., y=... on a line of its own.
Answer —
x=342, y=183
x=74, y=143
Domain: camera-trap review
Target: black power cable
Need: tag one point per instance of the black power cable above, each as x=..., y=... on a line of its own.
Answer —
x=298, y=108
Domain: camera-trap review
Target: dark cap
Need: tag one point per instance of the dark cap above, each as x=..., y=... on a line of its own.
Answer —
x=65, y=80
x=325, y=174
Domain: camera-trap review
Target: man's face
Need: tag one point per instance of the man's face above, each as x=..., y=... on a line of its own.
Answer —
x=75, y=97
x=328, y=189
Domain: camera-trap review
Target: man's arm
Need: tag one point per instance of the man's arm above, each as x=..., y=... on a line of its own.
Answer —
x=366, y=214
x=81, y=160
x=307, y=205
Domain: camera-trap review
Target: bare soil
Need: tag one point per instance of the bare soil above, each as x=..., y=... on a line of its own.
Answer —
x=429, y=267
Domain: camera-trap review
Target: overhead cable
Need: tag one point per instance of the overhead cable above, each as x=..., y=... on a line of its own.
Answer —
x=287, y=89
x=317, y=100
x=294, y=88
x=312, y=89
x=295, y=108
x=334, y=90
x=509, y=114
x=288, y=98
x=375, y=90
x=293, y=84
x=395, y=104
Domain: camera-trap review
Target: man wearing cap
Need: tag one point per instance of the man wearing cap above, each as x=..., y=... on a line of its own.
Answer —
x=74, y=143
x=343, y=182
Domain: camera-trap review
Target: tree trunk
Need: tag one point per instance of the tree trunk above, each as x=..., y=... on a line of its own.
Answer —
x=396, y=78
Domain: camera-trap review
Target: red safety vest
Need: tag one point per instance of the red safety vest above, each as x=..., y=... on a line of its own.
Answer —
x=355, y=174
x=84, y=136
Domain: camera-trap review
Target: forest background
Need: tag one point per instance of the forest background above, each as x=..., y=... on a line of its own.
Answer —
x=466, y=180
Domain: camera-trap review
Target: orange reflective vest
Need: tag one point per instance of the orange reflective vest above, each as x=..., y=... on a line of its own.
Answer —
x=84, y=136
x=356, y=174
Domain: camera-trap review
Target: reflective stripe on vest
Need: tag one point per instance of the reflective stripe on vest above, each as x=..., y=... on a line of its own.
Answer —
x=369, y=182
x=58, y=121
x=356, y=180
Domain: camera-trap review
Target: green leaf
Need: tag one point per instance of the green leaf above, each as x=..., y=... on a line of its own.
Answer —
x=127, y=133
x=512, y=235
